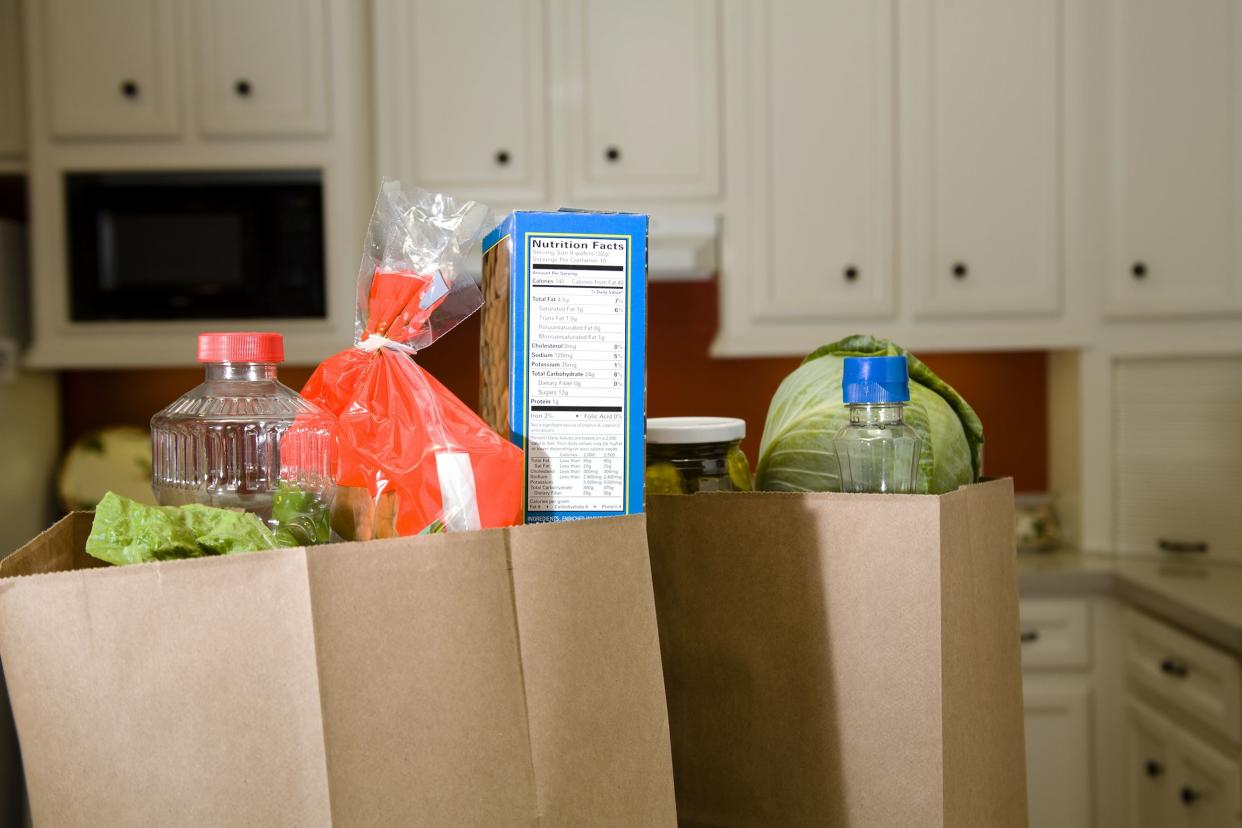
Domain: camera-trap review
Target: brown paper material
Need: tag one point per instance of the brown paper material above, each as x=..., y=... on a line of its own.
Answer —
x=842, y=660
x=508, y=677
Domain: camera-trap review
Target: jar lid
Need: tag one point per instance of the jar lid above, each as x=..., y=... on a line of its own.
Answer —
x=881, y=379
x=241, y=346
x=684, y=430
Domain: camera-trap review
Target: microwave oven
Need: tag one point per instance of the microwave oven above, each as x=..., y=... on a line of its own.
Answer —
x=195, y=245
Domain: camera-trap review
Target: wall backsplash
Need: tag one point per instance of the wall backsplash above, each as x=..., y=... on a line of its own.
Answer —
x=1009, y=390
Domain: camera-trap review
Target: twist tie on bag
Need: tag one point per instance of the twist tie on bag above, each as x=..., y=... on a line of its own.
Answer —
x=374, y=342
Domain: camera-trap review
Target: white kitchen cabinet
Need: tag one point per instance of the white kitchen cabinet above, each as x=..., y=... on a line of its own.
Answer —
x=819, y=218
x=1174, y=157
x=1175, y=779
x=1058, y=751
x=12, y=96
x=460, y=96
x=643, y=98
x=981, y=155
x=110, y=68
x=1148, y=761
x=260, y=67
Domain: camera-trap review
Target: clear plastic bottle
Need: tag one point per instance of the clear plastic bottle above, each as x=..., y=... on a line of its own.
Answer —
x=231, y=441
x=877, y=451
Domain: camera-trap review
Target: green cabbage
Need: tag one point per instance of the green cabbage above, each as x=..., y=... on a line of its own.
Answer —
x=796, y=454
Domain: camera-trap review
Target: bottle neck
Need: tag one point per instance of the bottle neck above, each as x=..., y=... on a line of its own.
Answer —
x=875, y=413
x=241, y=370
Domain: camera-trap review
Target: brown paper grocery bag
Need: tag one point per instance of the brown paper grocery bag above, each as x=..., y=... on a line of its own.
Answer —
x=507, y=677
x=847, y=660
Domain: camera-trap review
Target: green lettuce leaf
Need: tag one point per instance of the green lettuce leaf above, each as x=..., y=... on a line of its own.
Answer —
x=796, y=453
x=126, y=532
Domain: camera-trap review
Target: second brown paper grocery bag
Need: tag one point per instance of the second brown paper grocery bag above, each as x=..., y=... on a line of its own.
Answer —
x=842, y=660
x=505, y=677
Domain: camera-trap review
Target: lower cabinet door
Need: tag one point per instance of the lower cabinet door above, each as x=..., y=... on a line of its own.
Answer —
x=1058, y=750
x=1209, y=787
x=1150, y=771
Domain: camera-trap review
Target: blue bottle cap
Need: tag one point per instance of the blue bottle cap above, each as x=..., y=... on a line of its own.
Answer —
x=884, y=379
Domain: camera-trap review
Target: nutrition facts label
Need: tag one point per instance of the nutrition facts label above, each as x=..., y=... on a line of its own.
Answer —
x=576, y=376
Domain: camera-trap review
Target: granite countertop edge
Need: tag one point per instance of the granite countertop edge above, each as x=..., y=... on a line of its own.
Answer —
x=1161, y=595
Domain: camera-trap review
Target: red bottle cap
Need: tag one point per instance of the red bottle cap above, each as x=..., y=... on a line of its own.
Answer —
x=241, y=347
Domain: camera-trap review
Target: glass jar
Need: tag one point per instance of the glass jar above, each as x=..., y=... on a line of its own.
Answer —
x=696, y=454
x=244, y=440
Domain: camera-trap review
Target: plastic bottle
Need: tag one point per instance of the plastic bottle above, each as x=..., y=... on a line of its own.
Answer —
x=231, y=441
x=877, y=451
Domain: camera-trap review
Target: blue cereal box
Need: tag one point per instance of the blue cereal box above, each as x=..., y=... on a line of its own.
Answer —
x=564, y=357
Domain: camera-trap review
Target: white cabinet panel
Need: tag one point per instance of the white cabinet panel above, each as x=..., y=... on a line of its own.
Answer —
x=1058, y=751
x=981, y=155
x=644, y=110
x=261, y=67
x=1055, y=632
x=1175, y=150
x=111, y=67
x=1211, y=785
x=821, y=220
x=460, y=104
x=1176, y=453
x=12, y=97
x=1149, y=771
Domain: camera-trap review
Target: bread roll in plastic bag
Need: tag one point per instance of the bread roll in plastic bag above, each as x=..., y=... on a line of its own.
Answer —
x=409, y=456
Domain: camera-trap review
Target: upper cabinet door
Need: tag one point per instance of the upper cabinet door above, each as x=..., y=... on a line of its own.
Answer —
x=981, y=155
x=819, y=140
x=111, y=67
x=644, y=102
x=261, y=67
x=459, y=104
x=1175, y=157
x=12, y=99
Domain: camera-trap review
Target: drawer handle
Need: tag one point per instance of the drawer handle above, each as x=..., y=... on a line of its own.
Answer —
x=960, y=270
x=1139, y=270
x=243, y=88
x=612, y=154
x=1028, y=636
x=1174, y=668
x=502, y=157
x=1182, y=547
x=851, y=273
x=130, y=89
x=1153, y=768
x=1189, y=796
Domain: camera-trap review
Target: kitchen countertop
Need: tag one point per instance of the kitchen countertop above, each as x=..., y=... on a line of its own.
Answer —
x=1203, y=598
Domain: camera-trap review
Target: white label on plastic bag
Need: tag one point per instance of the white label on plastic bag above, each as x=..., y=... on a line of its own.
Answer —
x=457, y=492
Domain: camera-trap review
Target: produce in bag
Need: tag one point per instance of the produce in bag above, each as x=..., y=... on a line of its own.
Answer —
x=410, y=456
x=806, y=412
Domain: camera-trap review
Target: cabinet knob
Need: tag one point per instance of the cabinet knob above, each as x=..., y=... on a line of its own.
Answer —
x=502, y=157
x=1139, y=269
x=613, y=154
x=960, y=270
x=1189, y=795
x=1153, y=768
x=129, y=89
x=851, y=273
x=1174, y=668
x=1028, y=636
x=243, y=88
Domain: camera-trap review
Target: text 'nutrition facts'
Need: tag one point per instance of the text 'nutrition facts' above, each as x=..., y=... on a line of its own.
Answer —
x=577, y=373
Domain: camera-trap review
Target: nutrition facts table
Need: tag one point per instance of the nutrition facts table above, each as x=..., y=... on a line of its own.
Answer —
x=576, y=379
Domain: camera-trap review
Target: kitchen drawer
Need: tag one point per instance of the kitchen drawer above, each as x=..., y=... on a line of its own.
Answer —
x=1056, y=633
x=1188, y=674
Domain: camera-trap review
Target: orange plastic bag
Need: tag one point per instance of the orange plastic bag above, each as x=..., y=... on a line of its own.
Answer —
x=409, y=456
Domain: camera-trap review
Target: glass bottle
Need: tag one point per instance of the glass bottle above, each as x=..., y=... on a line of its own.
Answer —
x=877, y=451
x=242, y=438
